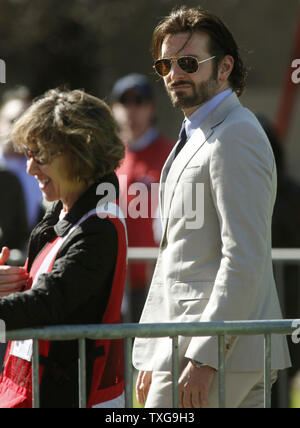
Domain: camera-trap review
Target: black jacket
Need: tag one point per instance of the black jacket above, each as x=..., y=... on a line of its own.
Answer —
x=75, y=292
x=13, y=218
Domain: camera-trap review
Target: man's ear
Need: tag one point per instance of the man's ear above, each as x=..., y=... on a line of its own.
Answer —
x=225, y=68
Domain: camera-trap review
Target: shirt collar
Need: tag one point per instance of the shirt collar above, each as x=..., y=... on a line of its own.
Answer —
x=144, y=141
x=200, y=115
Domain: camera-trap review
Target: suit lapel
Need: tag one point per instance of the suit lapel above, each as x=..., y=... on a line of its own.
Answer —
x=173, y=169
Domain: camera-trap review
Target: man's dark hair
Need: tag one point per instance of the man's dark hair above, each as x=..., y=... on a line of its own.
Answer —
x=221, y=41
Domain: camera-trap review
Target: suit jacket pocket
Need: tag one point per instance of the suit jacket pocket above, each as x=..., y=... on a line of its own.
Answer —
x=189, y=300
x=191, y=290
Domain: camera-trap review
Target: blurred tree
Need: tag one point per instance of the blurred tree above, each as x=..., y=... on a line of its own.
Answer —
x=46, y=44
x=91, y=43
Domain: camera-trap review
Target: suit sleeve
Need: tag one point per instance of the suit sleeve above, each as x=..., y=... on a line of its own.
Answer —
x=243, y=187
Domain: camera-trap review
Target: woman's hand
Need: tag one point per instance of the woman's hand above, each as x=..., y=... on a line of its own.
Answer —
x=12, y=278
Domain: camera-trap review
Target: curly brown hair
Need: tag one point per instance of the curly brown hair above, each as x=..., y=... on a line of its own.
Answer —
x=221, y=42
x=75, y=123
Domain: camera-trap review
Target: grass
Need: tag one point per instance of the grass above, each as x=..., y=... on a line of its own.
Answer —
x=295, y=398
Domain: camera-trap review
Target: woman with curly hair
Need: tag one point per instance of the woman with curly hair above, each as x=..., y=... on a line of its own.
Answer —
x=76, y=266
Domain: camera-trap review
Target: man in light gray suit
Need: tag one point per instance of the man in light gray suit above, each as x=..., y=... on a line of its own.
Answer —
x=214, y=262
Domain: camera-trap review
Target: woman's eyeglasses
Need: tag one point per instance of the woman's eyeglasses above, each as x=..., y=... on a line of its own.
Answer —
x=189, y=64
x=41, y=157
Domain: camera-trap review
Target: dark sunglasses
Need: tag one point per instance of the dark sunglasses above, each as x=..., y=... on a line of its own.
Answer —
x=41, y=157
x=189, y=64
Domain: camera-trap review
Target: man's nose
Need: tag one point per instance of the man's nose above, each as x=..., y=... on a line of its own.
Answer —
x=176, y=72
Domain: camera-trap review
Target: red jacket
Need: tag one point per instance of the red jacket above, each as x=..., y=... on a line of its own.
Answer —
x=142, y=166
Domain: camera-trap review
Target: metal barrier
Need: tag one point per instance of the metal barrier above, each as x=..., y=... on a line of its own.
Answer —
x=173, y=330
x=281, y=258
x=129, y=331
x=279, y=255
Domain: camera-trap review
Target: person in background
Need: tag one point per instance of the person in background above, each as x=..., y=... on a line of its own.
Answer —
x=134, y=109
x=14, y=230
x=286, y=218
x=14, y=218
x=14, y=225
x=14, y=104
x=76, y=267
x=285, y=234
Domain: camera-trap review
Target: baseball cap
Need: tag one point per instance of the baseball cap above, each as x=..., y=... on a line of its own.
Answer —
x=137, y=82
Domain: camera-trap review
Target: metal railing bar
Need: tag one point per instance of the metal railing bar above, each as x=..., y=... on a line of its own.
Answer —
x=143, y=254
x=120, y=331
x=82, y=374
x=267, y=370
x=175, y=372
x=128, y=373
x=286, y=255
x=129, y=331
x=35, y=375
x=151, y=253
x=221, y=371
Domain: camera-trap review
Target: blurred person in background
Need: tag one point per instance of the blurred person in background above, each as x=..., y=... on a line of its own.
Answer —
x=76, y=267
x=14, y=104
x=286, y=218
x=14, y=230
x=13, y=220
x=134, y=109
x=14, y=224
x=285, y=234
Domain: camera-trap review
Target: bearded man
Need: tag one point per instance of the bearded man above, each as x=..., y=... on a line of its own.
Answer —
x=216, y=266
